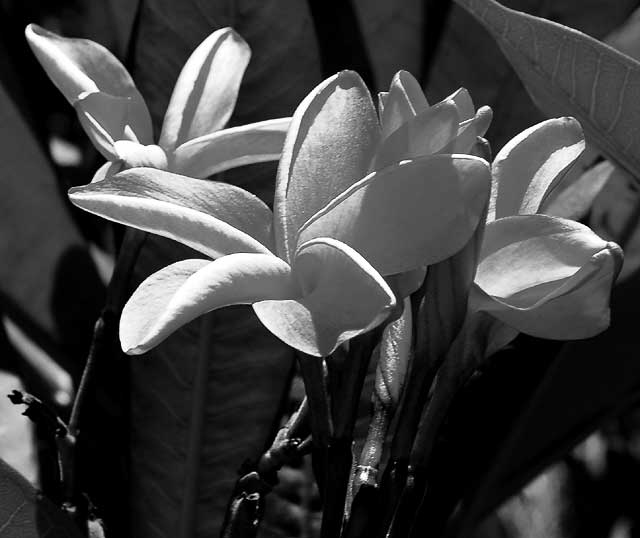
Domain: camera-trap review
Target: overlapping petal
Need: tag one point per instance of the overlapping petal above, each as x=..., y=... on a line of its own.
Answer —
x=410, y=214
x=343, y=296
x=531, y=164
x=469, y=130
x=329, y=146
x=424, y=134
x=207, y=89
x=545, y=276
x=404, y=100
x=229, y=148
x=104, y=119
x=187, y=289
x=80, y=66
x=214, y=218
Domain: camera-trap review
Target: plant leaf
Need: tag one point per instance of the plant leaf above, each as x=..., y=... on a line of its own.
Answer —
x=205, y=399
x=46, y=266
x=25, y=513
x=569, y=73
x=392, y=36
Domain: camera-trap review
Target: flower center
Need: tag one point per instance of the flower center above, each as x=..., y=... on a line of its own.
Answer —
x=134, y=155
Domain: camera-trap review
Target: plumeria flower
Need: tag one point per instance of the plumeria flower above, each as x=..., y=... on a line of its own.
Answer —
x=193, y=140
x=410, y=127
x=544, y=276
x=313, y=269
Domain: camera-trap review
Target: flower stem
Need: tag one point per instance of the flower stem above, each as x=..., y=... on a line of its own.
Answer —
x=102, y=332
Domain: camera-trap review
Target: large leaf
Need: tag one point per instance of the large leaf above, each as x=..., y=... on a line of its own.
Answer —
x=569, y=73
x=573, y=397
x=17, y=446
x=488, y=76
x=25, y=513
x=392, y=34
x=205, y=399
x=48, y=283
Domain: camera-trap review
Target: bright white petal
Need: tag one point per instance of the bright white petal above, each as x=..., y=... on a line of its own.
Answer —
x=230, y=148
x=343, y=297
x=424, y=134
x=410, y=214
x=214, y=218
x=546, y=276
x=185, y=290
x=404, y=100
x=469, y=131
x=207, y=89
x=531, y=164
x=464, y=103
x=329, y=146
x=81, y=66
x=134, y=155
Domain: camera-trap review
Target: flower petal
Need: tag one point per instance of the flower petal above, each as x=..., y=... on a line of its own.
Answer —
x=410, y=214
x=464, y=103
x=424, y=134
x=81, y=66
x=230, y=148
x=405, y=100
x=104, y=118
x=207, y=89
x=329, y=147
x=187, y=289
x=527, y=168
x=545, y=276
x=382, y=99
x=214, y=218
x=469, y=131
x=134, y=155
x=107, y=170
x=343, y=297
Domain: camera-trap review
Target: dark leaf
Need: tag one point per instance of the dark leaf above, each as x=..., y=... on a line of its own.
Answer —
x=48, y=282
x=24, y=513
x=569, y=73
x=392, y=33
x=205, y=400
x=489, y=77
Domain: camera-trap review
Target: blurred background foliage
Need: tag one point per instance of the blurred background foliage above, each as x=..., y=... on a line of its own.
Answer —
x=545, y=441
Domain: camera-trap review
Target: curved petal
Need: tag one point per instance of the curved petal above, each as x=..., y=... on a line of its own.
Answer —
x=469, y=131
x=545, y=276
x=424, y=134
x=80, y=66
x=343, y=297
x=333, y=135
x=187, y=289
x=207, y=89
x=104, y=118
x=230, y=148
x=214, y=218
x=382, y=99
x=410, y=214
x=404, y=100
x=531, y=164
x=464, y=103
x=107, y=170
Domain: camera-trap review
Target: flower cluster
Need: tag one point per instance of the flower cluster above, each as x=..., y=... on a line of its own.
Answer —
x=365, y=200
